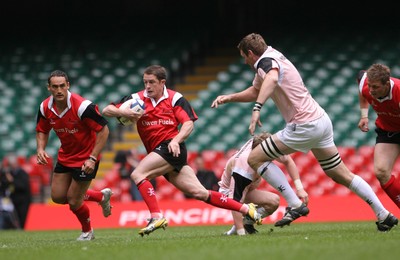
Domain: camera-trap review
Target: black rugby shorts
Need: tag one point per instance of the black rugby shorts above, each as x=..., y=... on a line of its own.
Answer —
x=76, y=173
x=387, y=137
x=176, y=162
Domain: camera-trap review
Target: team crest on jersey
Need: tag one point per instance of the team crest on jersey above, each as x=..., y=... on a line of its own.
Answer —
x=167, y=111
x=74, y=122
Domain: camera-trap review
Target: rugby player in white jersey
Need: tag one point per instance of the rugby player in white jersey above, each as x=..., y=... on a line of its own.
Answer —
x=308, y=126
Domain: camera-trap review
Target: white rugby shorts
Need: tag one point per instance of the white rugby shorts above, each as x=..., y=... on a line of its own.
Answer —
x=306, y=136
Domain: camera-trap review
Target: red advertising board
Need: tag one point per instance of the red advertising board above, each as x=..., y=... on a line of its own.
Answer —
x=192, y=212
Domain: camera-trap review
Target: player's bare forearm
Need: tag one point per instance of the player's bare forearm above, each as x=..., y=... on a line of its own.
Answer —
x=111, y=111
x=184, y=132
x=248, y=95
x=101, y=140
x=363, y=102
x=41, y=141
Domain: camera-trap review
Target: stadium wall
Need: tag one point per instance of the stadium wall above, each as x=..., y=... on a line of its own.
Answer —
x=193, y=212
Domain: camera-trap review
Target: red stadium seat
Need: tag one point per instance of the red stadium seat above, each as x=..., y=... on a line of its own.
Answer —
x=230, y=153
x=219, y=167
x=125, y=197
x=355, y=162
x=366, y=175
x=304, y=162
x=210, y=158
x=112, y=178
x=99, y=184
x=35, y=185
x=341, y=190
x=191, y=156
x=346, y=151
x=367, y=152
x=125, y=185
x=316, y=191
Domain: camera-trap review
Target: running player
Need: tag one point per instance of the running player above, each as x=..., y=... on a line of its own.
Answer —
x=164, y=140
x=83, y=132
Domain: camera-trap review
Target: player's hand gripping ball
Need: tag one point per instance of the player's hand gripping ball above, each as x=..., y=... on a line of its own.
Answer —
x=137, y=105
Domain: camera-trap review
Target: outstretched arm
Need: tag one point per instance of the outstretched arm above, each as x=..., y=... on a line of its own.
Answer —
x=248, y=95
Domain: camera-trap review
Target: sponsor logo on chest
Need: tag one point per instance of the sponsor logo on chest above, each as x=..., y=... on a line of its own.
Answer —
x=158, y=122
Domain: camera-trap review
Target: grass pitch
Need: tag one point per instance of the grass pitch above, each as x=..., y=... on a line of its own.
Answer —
x=350, y=240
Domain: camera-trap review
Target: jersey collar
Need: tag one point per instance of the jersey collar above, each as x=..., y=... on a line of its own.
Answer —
x=51, y=102
x=390, y=95
x=153, y=101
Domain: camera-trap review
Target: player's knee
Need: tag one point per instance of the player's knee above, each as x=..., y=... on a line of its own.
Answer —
x=275, y=201
x=59, y=199
x=137, y=177
x=382, y=173
x=74, y=203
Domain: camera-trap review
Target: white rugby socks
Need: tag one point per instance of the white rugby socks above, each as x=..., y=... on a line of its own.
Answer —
x=360, y=187
x=277, y=179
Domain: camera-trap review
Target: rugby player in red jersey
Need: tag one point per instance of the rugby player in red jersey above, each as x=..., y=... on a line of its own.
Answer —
x=382, y=92
x=82, y=132
x=158, y=127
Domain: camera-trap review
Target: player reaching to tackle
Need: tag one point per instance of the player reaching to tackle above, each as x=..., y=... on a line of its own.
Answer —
x=308, y=126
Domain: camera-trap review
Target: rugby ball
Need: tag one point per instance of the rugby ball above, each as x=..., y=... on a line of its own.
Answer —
x=137, y=105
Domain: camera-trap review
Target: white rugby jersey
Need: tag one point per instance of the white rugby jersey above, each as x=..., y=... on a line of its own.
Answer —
x=291, y=96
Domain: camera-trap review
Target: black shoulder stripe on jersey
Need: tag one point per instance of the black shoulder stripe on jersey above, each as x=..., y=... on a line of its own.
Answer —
x=123, y=99
x=360, y=75
x=182, y=102
x=265, y=64
x=39, y=116
x=91, y=113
